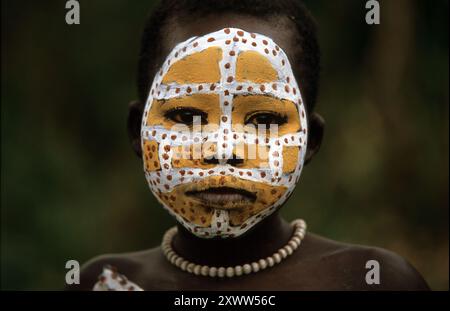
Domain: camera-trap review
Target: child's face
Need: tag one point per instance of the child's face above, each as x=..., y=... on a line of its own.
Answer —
x=209, y=155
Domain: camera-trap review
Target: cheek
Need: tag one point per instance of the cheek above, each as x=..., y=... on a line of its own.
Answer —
x=267, y=196
x=290, y=159
x=151, y=155
x=186, y=208
x=192, y=156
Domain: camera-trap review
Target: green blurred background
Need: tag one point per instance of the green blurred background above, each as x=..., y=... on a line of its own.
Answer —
x=71, y=187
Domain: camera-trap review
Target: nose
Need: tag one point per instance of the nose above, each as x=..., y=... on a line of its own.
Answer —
x=234, y=160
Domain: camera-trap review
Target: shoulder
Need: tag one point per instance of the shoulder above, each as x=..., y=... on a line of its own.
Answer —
x=129, y=266
x=396, y=273
x=362, y=267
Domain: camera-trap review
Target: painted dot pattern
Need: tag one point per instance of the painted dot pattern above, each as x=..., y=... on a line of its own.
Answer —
x=164, y=178
x=111, y=280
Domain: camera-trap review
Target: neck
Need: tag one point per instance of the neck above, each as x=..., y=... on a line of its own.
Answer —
x=259, y=242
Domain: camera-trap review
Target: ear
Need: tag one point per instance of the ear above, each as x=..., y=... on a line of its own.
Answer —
x=135, y=111
x=316, y=126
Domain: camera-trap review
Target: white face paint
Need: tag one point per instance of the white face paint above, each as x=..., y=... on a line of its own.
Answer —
x=229, y=78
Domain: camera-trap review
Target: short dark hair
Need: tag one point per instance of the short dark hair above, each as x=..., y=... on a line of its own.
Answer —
x=306, y=62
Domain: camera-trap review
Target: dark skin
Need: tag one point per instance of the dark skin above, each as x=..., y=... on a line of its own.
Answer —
x=318, y=264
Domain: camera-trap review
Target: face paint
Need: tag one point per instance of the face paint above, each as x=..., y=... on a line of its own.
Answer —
x=208, y=175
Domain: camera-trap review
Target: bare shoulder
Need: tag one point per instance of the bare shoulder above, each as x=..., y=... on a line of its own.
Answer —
x=323, y=263
x=133, y=265
x=396, y=273
x=357, y=265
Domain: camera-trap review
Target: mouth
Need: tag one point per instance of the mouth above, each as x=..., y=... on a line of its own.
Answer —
x=223, y=196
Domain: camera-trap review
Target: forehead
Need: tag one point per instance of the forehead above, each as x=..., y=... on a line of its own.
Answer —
x=230, y=61
x=279, y=29
x=204, y=66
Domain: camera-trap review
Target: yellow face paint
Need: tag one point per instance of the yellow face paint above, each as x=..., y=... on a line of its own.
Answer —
x=206, y=157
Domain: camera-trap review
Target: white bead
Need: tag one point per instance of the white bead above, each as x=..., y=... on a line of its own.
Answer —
x=270, y=261
x=166, y=250
x=204, y=271
x=293, y=245
x=247, y=268
x=170, y=254
x=296, y=240
x=288, y=249
x=230, y=272
x=221, y=272
x=238, y=270
x=255, y=267
x=262, y=264
x=173, y=259
x=282, y=253
x=276, y=257
x=212, y=271
x=190, y=267
x=197, y=269
x=296, y=223
x=178, y=261
x=183, y=265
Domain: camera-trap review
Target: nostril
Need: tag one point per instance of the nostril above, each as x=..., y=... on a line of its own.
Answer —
x=211, y=160
x=235, y=161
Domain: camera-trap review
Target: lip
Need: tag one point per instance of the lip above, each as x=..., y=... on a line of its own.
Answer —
x=223, y=196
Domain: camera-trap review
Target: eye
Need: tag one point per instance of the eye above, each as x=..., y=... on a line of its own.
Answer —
x=266, y=118
x=186, y=115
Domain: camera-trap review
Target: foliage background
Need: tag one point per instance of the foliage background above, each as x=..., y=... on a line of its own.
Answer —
x=71, y=188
